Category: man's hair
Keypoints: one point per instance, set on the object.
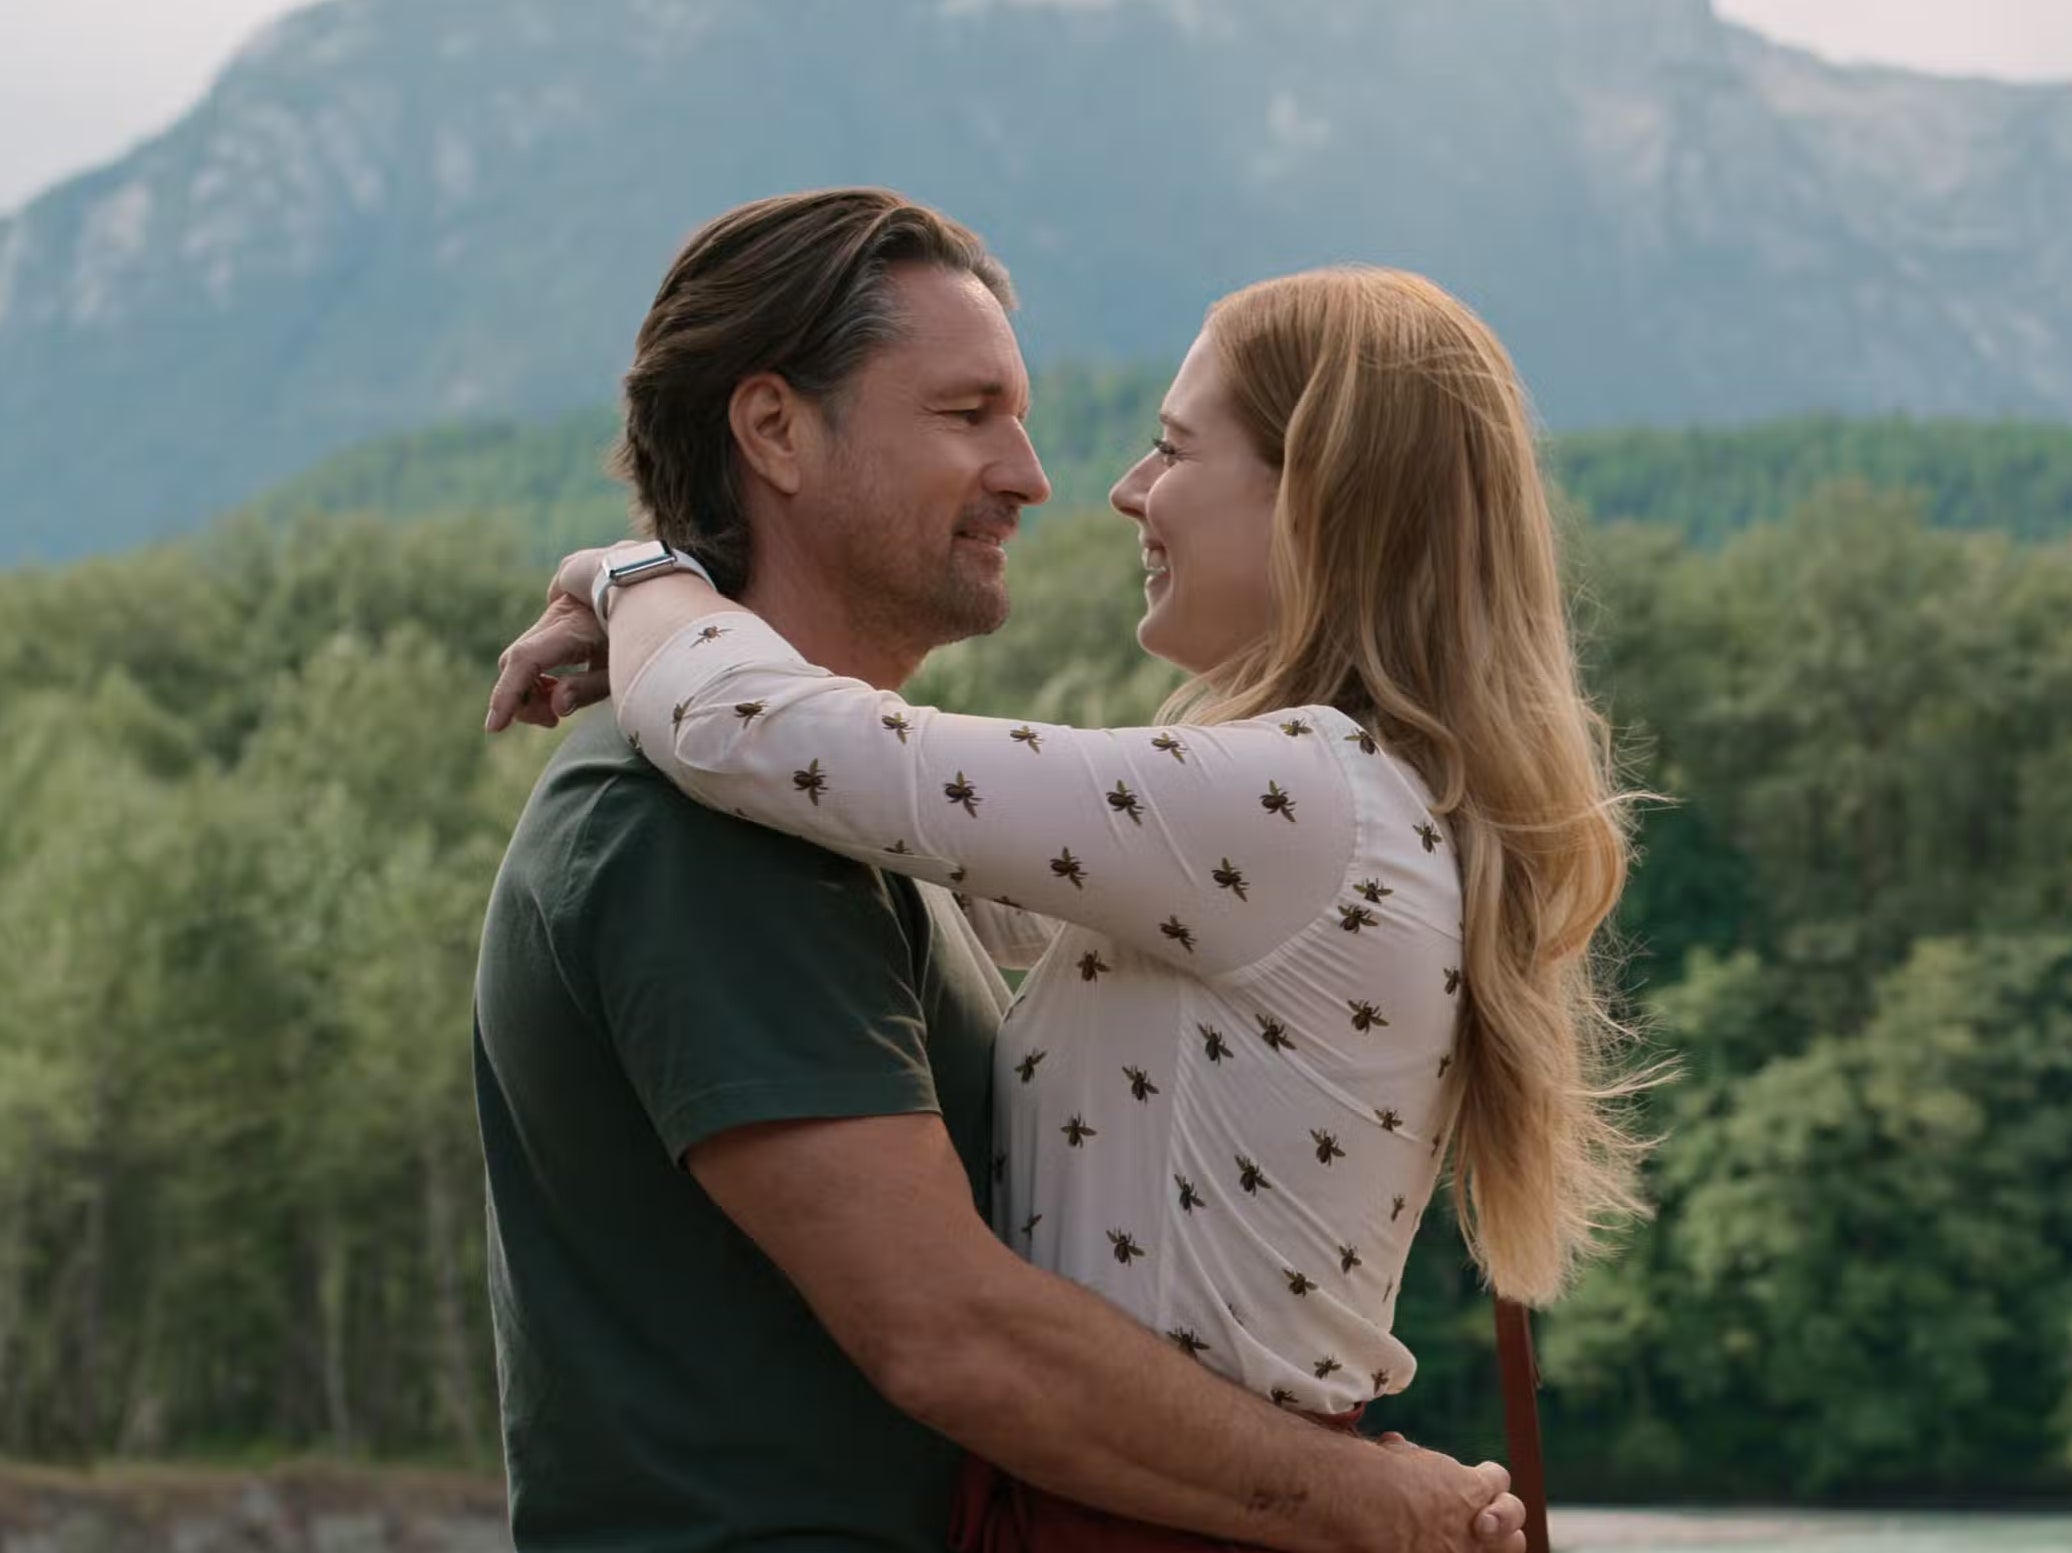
(799, 285)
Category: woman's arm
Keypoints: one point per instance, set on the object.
(1207, 847)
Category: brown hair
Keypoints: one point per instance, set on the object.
(799, 285)
(1417, 588)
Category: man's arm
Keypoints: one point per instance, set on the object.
(1051, 1382)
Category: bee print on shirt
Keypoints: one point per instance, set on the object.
(749, 711)
(1092, 966)
(812, 782)
(1179, 932)
(1373, 890)
(963, 794)
(1396, 1206)
(1077, 1132)
(1212, 1043)
(1026, 1068)
(1171, 746)
(1296, 727)
(1068, 867)
(1445, 1062)
(1327, 1146)
(1326, 1367)
(1123, 801)
(1298, 1285)
(1390, 1119)
(1141, 1087)
(1381, 1382)
(710, 634)
(1365, 740)
(1029, 1224)
(895, 723)
(1190, 1199)
(1188, 1342)
(1250, 1178)
(1028, 736)
(1227, 877)
(1348, 1258)
(1126, 1248)
(1365, 1016)
(1428, 833)
(1353, 918)
(678, 713)
(1452, 980)
(1280, 1396)
(1275, 1034)
(1276, 801)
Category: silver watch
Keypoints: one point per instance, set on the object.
(626, 567)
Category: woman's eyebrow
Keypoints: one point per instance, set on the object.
(1175, 424)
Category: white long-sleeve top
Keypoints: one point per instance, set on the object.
(1219, 1094)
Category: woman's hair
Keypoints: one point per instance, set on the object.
(1416, 588)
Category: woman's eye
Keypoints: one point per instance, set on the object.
(1164, 449)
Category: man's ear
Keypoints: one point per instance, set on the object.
(778, 430)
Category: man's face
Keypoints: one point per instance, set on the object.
(927, 468)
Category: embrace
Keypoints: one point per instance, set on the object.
(804, 1234)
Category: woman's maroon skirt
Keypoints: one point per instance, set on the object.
(995, 1513)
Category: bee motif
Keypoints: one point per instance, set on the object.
(710, 634)
(1077, 1132)
(1126, 1247)
(749, 711)
(1275, 801)
(1228, 878)
(1066, 866)
(1452, 980)
(1373, 889)
(1189, 1343)
(812, 782)
(1365, 740)
(1026, 1068)
(959, 874)
(1390, 1120)
(1251, 1178)
(899, 848)
(1029, 736)
(1275, 1034)
(1029, 1224)
(1281, 1396)
(1381, 1382)
(679, 712)
(1445, 1062)
(1178, 932)
(634, 740)
(1353, 918)
(895, 723)
(1365, 1016)
(1212, 1043)
(962, 792)
(1296, 727)
(1171, 746)
(1428, 833)
(1348, 1258)
(1396, 1206)
(1326, 1367)
(1123, 801)
(1092, 966)
(1327, 1146)
(1298, 1285)
(1190, 1199)
(1141, 1087)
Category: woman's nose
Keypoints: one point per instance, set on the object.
(1126, 496)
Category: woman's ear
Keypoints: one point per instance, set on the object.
(776, 429)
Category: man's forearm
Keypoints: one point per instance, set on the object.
(1061, 1389)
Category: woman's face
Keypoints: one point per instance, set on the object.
(1203, 501)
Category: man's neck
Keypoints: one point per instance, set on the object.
(819, 622)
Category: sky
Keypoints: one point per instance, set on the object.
(83, 81)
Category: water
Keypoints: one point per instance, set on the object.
(1581, 1530)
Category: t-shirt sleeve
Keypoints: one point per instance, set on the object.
(1207, 847)
(743, 976)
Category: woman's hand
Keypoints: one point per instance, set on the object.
(537, 679)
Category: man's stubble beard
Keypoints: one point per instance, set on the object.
(898, 595)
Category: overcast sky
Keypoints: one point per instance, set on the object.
(83, 80)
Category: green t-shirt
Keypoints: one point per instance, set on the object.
(654, 973)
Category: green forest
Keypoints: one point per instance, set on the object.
(248, 822)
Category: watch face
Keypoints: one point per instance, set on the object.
(640, 562)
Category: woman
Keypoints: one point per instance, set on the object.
(1331, 913)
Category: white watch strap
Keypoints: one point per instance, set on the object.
(651, 559)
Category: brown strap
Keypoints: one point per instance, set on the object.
(1521, 1383)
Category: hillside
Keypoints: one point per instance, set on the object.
(390, 213)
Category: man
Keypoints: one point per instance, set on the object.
(735, 1091)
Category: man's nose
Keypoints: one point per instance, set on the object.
(1020, 475)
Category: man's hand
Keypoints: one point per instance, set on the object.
(1443, 1506)
(535, 681)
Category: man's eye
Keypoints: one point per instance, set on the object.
(972, 416)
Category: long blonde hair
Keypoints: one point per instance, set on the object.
(1416, 588)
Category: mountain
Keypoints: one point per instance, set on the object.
(393, 212)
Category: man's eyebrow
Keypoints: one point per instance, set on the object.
(983, 388)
